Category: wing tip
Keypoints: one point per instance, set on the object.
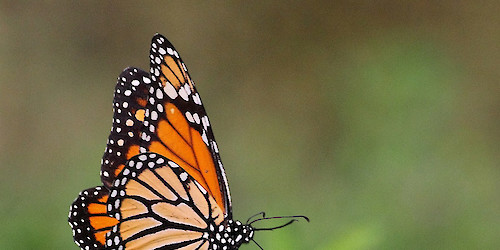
(161, 40)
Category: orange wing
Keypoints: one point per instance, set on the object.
(129, 105)
(89, 220)
(177, 126)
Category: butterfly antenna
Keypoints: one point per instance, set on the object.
(279, 217)
(255, 215)
(257, 244)
(272, 228)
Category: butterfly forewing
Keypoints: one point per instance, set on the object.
(177, 126)
(129, 104)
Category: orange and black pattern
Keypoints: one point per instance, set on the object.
(160, 206)
(164, 182)
(88, 217)
(129, 103)
(176, 123)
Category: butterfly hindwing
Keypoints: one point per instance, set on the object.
(176, 123)
(89, 219)
(129, 103)
(160, 206)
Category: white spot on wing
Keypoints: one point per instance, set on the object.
(154, 115)
(173, 164)
(189, 117)
(196, 98)
(183, 176)
(170, 90)
(183, 94)
(188, 89)
(205, 122)
(159, 94)
(204, 137)
(196, 118)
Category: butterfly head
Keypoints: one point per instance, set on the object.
(232, 235)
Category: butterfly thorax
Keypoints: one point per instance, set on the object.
(230, 236)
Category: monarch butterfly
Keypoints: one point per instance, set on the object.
(164, 185)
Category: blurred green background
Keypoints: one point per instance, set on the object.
(377, 119)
